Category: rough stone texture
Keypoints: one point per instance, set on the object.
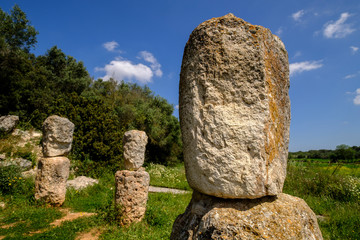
(235, 109)
(81, 182)
(57, 136)
(134, 149)
(271, 217)
(131, 194)
(8, 123)
(50, 182)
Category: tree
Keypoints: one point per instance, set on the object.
(343, 152)
(16, 31)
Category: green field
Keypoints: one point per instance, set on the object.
(332, 191)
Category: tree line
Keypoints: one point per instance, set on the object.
(342, 152)
(35, 87)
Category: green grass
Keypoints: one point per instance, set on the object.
(30, 216)
(171, 177)
(332, 192)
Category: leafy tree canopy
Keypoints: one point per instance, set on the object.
(16, 31)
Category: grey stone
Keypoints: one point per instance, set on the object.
(271, 217)
(131, 194)
(8, 123)
(234, 109)
(134, 149)
(50, 182)
(81, 182)
(57, 136)
(22, 163)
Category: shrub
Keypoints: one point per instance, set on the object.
(10, 180)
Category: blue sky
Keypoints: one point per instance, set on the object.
(143, 42)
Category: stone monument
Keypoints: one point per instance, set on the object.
(235, 117)
(53, 168)
(132, 184)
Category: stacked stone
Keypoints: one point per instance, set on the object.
(53, 167)
(235, 116)
(132, 184)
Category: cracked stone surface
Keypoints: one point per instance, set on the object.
(57, 136)
(235, 109)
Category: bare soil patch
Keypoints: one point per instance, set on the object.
(93, 234)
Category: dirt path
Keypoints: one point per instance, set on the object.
(167, 190)
(69, 216)
(93, 234)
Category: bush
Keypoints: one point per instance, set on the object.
(11, 181)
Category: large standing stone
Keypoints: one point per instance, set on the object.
(235, 109)
(134, 149)
(8, 123)
(131, 194)
(50, 182)
(57, 136)
(272, 217)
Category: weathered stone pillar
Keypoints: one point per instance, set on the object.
(132, 185)
(53, 168)
(235, 116)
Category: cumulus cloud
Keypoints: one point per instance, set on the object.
(155, 65)
(297, 16)
(123, 69)
(111, 46)
(338, 29)
(177, 107)
(357, 97)
(126, 70)
(299, 67)
(354, 49)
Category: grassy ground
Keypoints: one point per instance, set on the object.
(332, 191)
(31, 220)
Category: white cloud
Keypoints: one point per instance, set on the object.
(297, 16)
(299, 67)
(123, 69)
(350, 76)
(279, 31)
(357, 98)
(338, 29)
(110, 46)
(177, 107)
(126, 70)
(155, 65)
(297, 54)
(354, 49)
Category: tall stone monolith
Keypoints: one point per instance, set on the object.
(235, 109)
(235, 117)
(54, 166)
(132, 184)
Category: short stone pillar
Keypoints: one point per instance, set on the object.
(53, 168)
(132, 184)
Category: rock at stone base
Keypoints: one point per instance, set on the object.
(131, 194)
(8, 123)
(234, 109)
(272, 217)
(50, 182)
(81, 182)
(134, 149)
(57, 136)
